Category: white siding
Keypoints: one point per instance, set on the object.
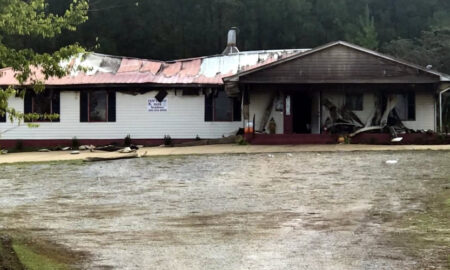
(184, 120)
(425, 113)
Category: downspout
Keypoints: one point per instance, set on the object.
(441, 93)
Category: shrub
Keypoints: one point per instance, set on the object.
(347, 140)
(241, 140)
(127, 140)
(168, 140)
(197, 138)
(75, 143)
(19, 145)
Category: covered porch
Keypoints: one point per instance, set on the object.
(337, 89)
(320, 113)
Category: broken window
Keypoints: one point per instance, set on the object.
(221, 108)
(98, 106)
(406, 106)
(44, 103)
(354, 102)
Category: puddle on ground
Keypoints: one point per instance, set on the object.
(300, 211)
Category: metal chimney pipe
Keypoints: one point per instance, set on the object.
(232, 35)
(231, 42)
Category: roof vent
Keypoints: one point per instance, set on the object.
(231, 44)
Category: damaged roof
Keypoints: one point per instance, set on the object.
(100, 69)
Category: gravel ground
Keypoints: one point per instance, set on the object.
(245, 211)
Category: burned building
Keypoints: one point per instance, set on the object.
(285, 96)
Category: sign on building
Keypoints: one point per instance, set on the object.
(155, 106)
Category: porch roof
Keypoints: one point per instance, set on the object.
(338, 62)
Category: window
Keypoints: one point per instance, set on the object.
(406, 106)
(354, 102)
(43, 103)
(2, 116)
(221, 108)
(98, 106)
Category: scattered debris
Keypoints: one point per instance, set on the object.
(44, 150)
(65, 148)
(383, 119)
(127, 150)
(397, 139)
(109, 148)
(3, 152)
(134, 147)
(75, 152)
(391, 162)
(97, 159)
(87, 147)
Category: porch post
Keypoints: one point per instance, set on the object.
(320, 112)
(441, 125)
(246, 111)
(288, 125)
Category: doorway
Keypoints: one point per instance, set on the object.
(302, 113)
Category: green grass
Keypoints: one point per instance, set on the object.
(426, 235)
(35, 261)
(22, 251)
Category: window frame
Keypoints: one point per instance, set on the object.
(234, 117)
(111, 105)
(411, 106)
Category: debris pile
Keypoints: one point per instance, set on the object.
(384, 118)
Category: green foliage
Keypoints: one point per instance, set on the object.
(431, 48)
(241, 141)
(347, 140)
(31, 19)
(172, 29)
(35, 261)
(367, 35)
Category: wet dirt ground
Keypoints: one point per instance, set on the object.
(257, 211)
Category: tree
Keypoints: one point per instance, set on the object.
(32, 19)
(431, 48)
(366, 36)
